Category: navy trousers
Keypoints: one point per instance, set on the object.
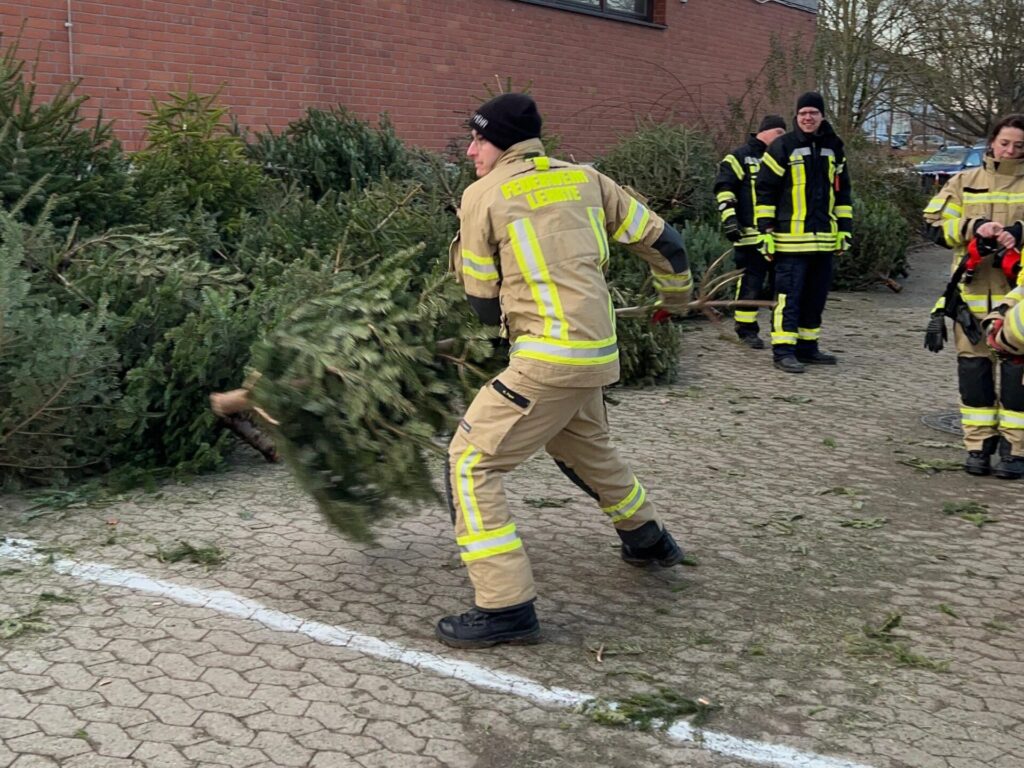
(802, 282)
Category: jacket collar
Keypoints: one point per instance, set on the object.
(825, 135)
(521, 151)
(756, 144)
(1004, 167)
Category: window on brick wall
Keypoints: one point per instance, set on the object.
(634, 10)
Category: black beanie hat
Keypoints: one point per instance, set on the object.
(811, 99)
(507, 119)
(772, 121)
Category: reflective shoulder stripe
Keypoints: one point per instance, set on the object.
(736, 167)
(799, 152)
(773, 164)
(632, 229)
(826, 152)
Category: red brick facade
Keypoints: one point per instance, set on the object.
(423, 61)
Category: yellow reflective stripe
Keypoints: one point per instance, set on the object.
(772, 163)
(542, 163)
(675, 283)
(844, 211)
(725, 196)
(628, 507)
(745, 315)
(466, 488)
(478, 267)
(1011, 419)
(727, 212)
(979, 417)
(934, 205)
(736, 167)
(632, 229)
(981, 302)
(535, 272)
(489, 543)
(954, 208)
(1011, 198)
(596, 352)
(780, 336)
(808, 334)
(596, 216)
(799, 188)
(753, 240)
(951, 231)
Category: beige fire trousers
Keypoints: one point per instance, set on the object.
(509, 420)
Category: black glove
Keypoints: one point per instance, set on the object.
(731, 229)
(969, 323)
(935, 335)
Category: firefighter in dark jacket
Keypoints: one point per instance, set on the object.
(734, 191)
(805, 216)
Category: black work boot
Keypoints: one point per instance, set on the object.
(650, 544)
(752, 340)
(979, 462)
(1009, 468)
(816, 357)
(484, 627)
(789, 364)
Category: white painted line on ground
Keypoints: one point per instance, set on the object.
(230, 604)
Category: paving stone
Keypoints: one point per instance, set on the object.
(55, 720)
(282, 749)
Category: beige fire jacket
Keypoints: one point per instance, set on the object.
(535, 234)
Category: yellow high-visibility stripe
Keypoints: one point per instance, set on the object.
(1011, 419)
(979, 417)
(725, 196)
(628, 507)
(1013, 325)
(745, 315)
(736, 167)
(773, 164)
(489, 543)
(632, 229)
(596, 352)
(479, 267)
(596, 216)
(779, 336)
(535, 272)
(844, 211)
(1010, 198)
(675, 283)
(798, 194)
(466, 488)
(808, 334)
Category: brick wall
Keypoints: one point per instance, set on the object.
(423, 61)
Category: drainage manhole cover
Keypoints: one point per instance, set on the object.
(945, 421)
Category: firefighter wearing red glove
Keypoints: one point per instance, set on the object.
(978, 205)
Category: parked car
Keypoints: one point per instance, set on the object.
(936, 170)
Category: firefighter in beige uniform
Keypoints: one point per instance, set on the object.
(531, 253)
(986, 203)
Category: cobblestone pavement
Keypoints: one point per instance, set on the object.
(790, 491)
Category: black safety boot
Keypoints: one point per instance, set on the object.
(1009, 468)
(752, 340)
(979, 462)
(789, 364)
(817, 357)
(482, 628)
(649, 544)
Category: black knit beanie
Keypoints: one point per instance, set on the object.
(772, 121)
(507, 119)
(811, 99)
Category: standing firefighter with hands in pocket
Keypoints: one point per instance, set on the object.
(532, 251)
(804, 213)
(979, 213)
